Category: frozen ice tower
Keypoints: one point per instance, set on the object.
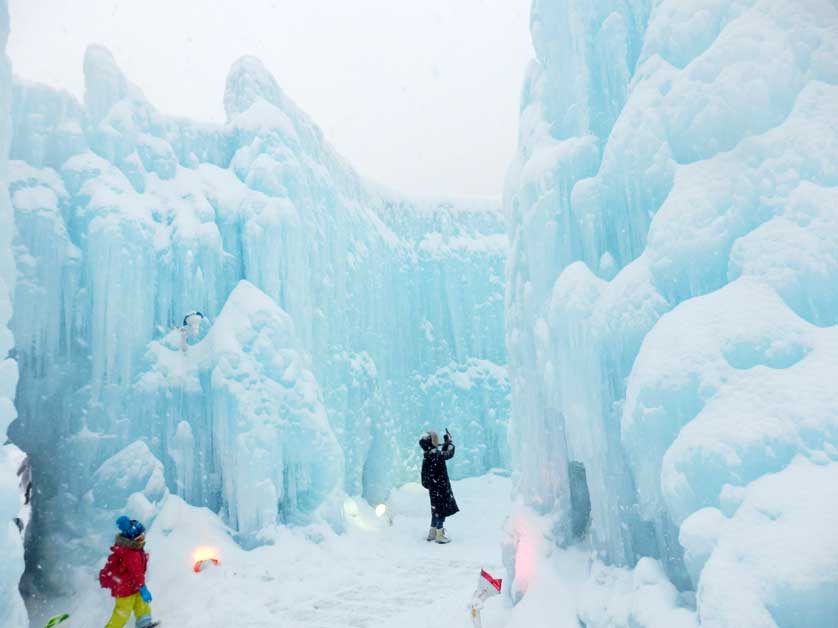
(672, 295)
(341, 319)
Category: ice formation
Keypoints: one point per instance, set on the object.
(12, 612)
(671, 312)
(247, 388)
(342, 320)
(672, 293)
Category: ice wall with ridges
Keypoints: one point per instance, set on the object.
(672, 275)
(129, 219)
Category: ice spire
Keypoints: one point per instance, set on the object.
(104, 83)
(248, 81)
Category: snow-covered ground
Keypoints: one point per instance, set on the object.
(377, 575)
(372, 576)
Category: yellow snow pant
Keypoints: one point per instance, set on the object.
(122, 611)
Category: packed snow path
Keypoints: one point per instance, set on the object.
(373, 576)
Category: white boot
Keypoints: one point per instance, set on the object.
(431, 535)
(440, 536)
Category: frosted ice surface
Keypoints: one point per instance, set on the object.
(132, 470)
(672, 286)
(249, 383)
(773, 562)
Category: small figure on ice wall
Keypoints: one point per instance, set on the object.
(435, 479)
(191, 327)
(124, 576)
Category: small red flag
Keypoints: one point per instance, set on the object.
(495, 582)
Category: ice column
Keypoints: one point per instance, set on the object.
(563, 392)
(12, 611)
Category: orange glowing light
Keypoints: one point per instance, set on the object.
(203, 557)
(204, 552)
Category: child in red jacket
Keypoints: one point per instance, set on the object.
(124, 575)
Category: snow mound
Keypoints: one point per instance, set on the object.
(771, 553)
(270, 440)
(377, 574)
(132, 470)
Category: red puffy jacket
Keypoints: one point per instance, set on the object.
(124, 573)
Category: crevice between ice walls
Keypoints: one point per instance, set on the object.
(12, 610)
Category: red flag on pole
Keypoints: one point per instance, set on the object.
(495, 582)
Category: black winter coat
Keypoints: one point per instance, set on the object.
(435, 478)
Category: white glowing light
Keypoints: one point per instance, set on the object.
(380, 510)
(350, 508)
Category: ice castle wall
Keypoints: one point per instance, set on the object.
(12, 612)
(671, 285)
(387, 320)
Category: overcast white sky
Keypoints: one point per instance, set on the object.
(420, 95)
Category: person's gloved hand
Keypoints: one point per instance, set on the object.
(145, 594)
(447, 436)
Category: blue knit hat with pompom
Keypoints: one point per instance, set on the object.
(130, 528)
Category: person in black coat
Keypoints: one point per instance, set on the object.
(435, 479)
